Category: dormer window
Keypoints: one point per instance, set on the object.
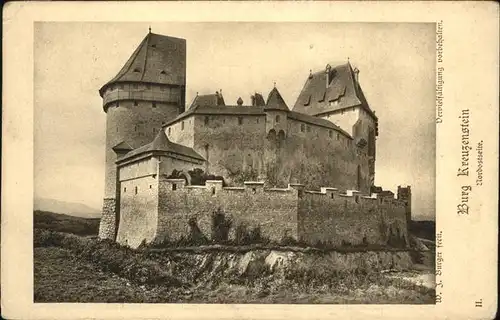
(322, 98)
(334, 103)
(308, 101)
(163, 72)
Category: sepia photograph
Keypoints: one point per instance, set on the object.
(234, 162)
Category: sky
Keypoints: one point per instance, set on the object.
(397, 74)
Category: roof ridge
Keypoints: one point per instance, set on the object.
(145, 56)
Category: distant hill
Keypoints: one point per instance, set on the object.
(423, 229)
(69, 208)
(65, 223)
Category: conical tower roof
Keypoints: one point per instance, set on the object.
(275, 101)
(158, 59)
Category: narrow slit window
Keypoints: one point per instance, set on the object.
(277, 119)
(302, 127)
(182, 125)
(136, 103)
(136, 189)
(240, 120)
(153, 104)
(124, 189)
(174, 186)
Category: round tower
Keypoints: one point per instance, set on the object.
(148, 91)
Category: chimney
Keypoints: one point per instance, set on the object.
(356, 74)
(328, 71)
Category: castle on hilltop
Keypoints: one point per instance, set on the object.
(172, 172)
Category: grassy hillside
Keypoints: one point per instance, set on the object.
(69, 268)
(65, 223)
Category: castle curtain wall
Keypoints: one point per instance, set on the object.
(273, 212)
(351, 220)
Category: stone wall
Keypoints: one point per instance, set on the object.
(107, 225)
(233, 149)
(351, 219)
(319, 156)
(272, 211)
(138, 211)
(240, 148)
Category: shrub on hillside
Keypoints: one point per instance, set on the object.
(109, 256)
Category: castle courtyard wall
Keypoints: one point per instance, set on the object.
(232, 145)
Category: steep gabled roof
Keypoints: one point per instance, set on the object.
(275, 101)
(162, 144)
(153, 62)
(219, 110)
(315, 97)
(215, 99)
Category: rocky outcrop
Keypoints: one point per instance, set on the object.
(261, 263)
